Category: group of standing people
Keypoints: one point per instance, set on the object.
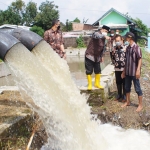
(125, 55)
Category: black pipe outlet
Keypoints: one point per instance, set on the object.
(28, 38)
(7, 41)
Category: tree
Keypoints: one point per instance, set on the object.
(48, 12)
(68, 26)
(144, 29)
(1, 17)
(142, 26)
(37, 30)
(18, 8)
(30, 13)
(76, 20)
(85, 21)
(9, 17)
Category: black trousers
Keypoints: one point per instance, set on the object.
(119, 80)
(91, 65)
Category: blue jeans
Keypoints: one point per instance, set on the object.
(136, 82)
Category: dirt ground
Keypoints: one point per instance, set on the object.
(112, 112)
(12, 108)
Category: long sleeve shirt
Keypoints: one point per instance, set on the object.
(95, 48)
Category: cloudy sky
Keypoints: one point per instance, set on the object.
(94, 9)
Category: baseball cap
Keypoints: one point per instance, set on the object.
(130, 35)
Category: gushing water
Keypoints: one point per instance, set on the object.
(44, 77)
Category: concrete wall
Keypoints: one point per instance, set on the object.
(71, 41)
(77, 26)
(115, 18)
(80, 26)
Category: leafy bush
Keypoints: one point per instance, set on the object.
(80, 42)
(37, 30)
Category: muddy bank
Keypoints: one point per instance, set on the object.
(17, 122)
(110, 111)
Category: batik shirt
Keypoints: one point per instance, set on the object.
(119, 58)
(55, 40)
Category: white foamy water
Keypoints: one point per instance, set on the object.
(64, 112)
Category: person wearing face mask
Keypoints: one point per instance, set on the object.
(132, 70)
(94, 55)
(119, 63)
(111, 44)
(117, 32)
(54, 37)
(126, 43)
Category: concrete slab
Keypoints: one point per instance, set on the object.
(8, 88)
(107, 78)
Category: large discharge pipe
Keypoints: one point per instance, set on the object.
(7, 41)
(28, 38)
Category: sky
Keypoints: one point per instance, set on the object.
(94, 9)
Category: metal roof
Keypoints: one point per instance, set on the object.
(13, 26)
(112, 9)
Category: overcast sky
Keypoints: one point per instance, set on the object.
(94, 9)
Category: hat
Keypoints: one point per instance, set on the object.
(106, 28)
(130, 35)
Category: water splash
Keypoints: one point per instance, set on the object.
(45, 78)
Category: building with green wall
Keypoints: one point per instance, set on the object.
(116, 20)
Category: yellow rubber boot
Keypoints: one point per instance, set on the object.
(97, 81)
(89, 77)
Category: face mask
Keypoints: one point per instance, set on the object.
(117, 32)
(118, 43)
(58, 27)
(104, 33)
(126, 43)
(112, 34)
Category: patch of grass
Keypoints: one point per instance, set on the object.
(145, 55)
(103, 107)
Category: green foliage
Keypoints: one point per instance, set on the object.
(80, 42)
(144, 29)
(48, 12)
(76, 20)
(18, 8)
(37, 30)
(145, 54)
(142, 26)
(67, 26)
(31, 12)
(20, 14)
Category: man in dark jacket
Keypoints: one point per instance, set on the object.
(94, 55)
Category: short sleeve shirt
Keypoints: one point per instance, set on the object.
(133, 54)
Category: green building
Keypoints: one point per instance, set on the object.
(117, 21)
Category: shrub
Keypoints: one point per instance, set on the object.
(80, 42)
(37, 30)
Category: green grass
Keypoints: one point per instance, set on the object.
(145, 54)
